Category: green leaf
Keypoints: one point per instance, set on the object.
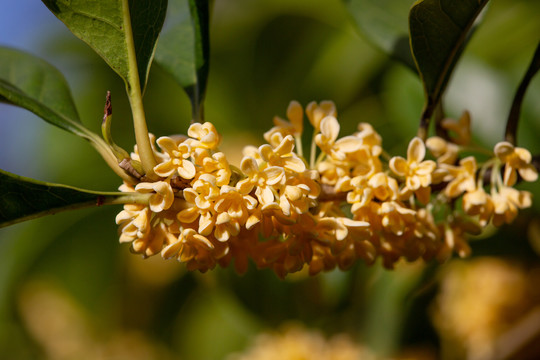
(105, 25)
(147, 19)
(33, 84)
(37, 80)
(384, 23)
(23, 198)
(439, 30)
(184, 50)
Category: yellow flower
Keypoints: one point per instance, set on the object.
(152, 243)
(330, 172)
(233, 210)
(192, 248)
(204, 136)
(478, 202)
(370, 138)
(506, 203)
(215, 164)
(262, 181)
(462, 128)
(395, 217)
(363, 163)
(454, 238)
(316, 113)
(200, 198)
(162, 197)
(283, 155)
(445, 152)
(282, 128)
(479, 302)
(517, 160)
(326, 140)
(176, 159)
(269, 218)
(359, 193)
(134, 222)
(330, 228)
(417, 173)
(384, 187)
(463, 177)
(299, 194)
(296, 342)
(203, 192)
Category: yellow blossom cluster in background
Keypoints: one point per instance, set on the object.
(347, 201)
(296, 342)
(486, 308)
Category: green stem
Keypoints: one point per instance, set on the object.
(133, 88)
(299, 149)
(312, 151)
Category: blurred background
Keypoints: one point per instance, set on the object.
(68, 290)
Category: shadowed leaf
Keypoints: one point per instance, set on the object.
(23, 198)
(439, 30)
(184, 49)
(105, 26)
(384, 23)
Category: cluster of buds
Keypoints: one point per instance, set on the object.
(349, 202)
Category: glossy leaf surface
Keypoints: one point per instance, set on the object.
(105, 25)
(33, 84)
(439, 30)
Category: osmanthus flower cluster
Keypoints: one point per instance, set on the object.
(348, 202)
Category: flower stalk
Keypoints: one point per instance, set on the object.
(510, 133)
(133, 88)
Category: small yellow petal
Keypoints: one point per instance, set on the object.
(528, 173)
(503, 149)
(330, 129)
(416, 150)
(399, 165)
(187, 170)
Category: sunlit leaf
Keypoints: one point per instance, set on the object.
(384, 23)
(439, 30)
(37, 79)
(184, 49)
(105, 25)
(23, 198)
(33, 84)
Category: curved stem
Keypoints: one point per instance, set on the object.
(510, 134)
(312, 151)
